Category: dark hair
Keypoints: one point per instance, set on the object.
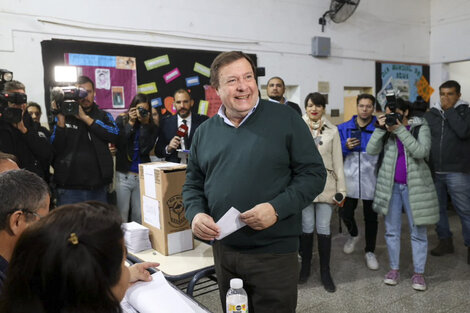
(365, 96)
(34, 104)
(277, 77)
(226, 58)
(448, 84)
(139, 98)
(317, 98)
(419, 107)
(20, 190)
(402, 105)
(182, 90)
(85, 79)
(13, 85)
(67, 262)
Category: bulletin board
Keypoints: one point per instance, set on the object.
(409, 79)
(160, 72)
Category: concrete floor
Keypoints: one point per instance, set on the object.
(362, 290)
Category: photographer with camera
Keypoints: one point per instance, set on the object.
(177, 131)
(83, 165)
(404, 181)
(19, 134)
(137, 136)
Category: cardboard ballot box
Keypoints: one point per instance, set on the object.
(161, 185)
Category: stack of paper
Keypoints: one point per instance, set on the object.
(136, 237)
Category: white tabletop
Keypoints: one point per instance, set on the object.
(181, 263)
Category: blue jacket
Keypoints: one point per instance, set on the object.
(359, 167)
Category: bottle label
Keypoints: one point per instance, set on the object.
(237, 308)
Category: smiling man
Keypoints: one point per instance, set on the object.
(259, 158)
(168, 141)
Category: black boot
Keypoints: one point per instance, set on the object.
(306, 247)
(445, 246)
(324, 251)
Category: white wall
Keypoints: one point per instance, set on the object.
(278, 31)
(450, 26)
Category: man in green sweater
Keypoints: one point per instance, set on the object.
(258, 157)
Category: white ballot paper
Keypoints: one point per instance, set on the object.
(229, 223)
(155, 296)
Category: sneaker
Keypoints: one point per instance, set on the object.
(392, 278)
(350, 244)
(371, 261)
(418, 283)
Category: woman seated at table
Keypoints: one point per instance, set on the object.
(71, 261)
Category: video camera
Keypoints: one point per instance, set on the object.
(10, 114)
(67, 99)
(392, 118)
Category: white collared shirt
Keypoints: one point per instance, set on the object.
(285, 100)
(227, 121)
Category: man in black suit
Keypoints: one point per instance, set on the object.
(169, 142)
(276, 89)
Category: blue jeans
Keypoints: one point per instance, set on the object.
(458, 186)
(322, 211)
(70, 196)
(128, 196)
(419, 238)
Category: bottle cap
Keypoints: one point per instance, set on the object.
(236, 283)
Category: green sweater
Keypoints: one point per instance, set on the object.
(271, 158)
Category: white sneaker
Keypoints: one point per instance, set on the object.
(371, 261)
(350, 244)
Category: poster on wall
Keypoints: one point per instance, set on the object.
(404, 79)
(115, 79)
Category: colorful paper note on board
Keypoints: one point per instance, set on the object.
(157, 102)
(203, 107)
(168, 103)
(157, 62)
(214, 100)
(148, 88)
(201, 69)
(192, 81)
(424, 89)
(171, 75)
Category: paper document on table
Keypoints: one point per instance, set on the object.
(229, 223)
(156, 296)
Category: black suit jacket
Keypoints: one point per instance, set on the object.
(168, 129)
(295, 106)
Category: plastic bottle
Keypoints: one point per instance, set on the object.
(237, 299)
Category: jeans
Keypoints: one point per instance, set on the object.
(419, 237)
(323, 213)
(269, 279)
(128, 196)
(370, 221)
(458, 186)
(69, 196)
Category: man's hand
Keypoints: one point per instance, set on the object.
(174, 144)
(204, 227)
(20, 126)
(83, 116)
(60, 116)
(352, 143)
(260, 217)
(139, 271)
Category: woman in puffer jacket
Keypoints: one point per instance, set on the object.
(318, 214)
(404, 181)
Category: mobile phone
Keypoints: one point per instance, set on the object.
(356, 134)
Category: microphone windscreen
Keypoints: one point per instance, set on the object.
(182, 130)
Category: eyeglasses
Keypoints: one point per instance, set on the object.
(26, 211)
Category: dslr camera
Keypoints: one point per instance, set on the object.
(392, 118)
(9, 114)
(67, 98)
(143, 112)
